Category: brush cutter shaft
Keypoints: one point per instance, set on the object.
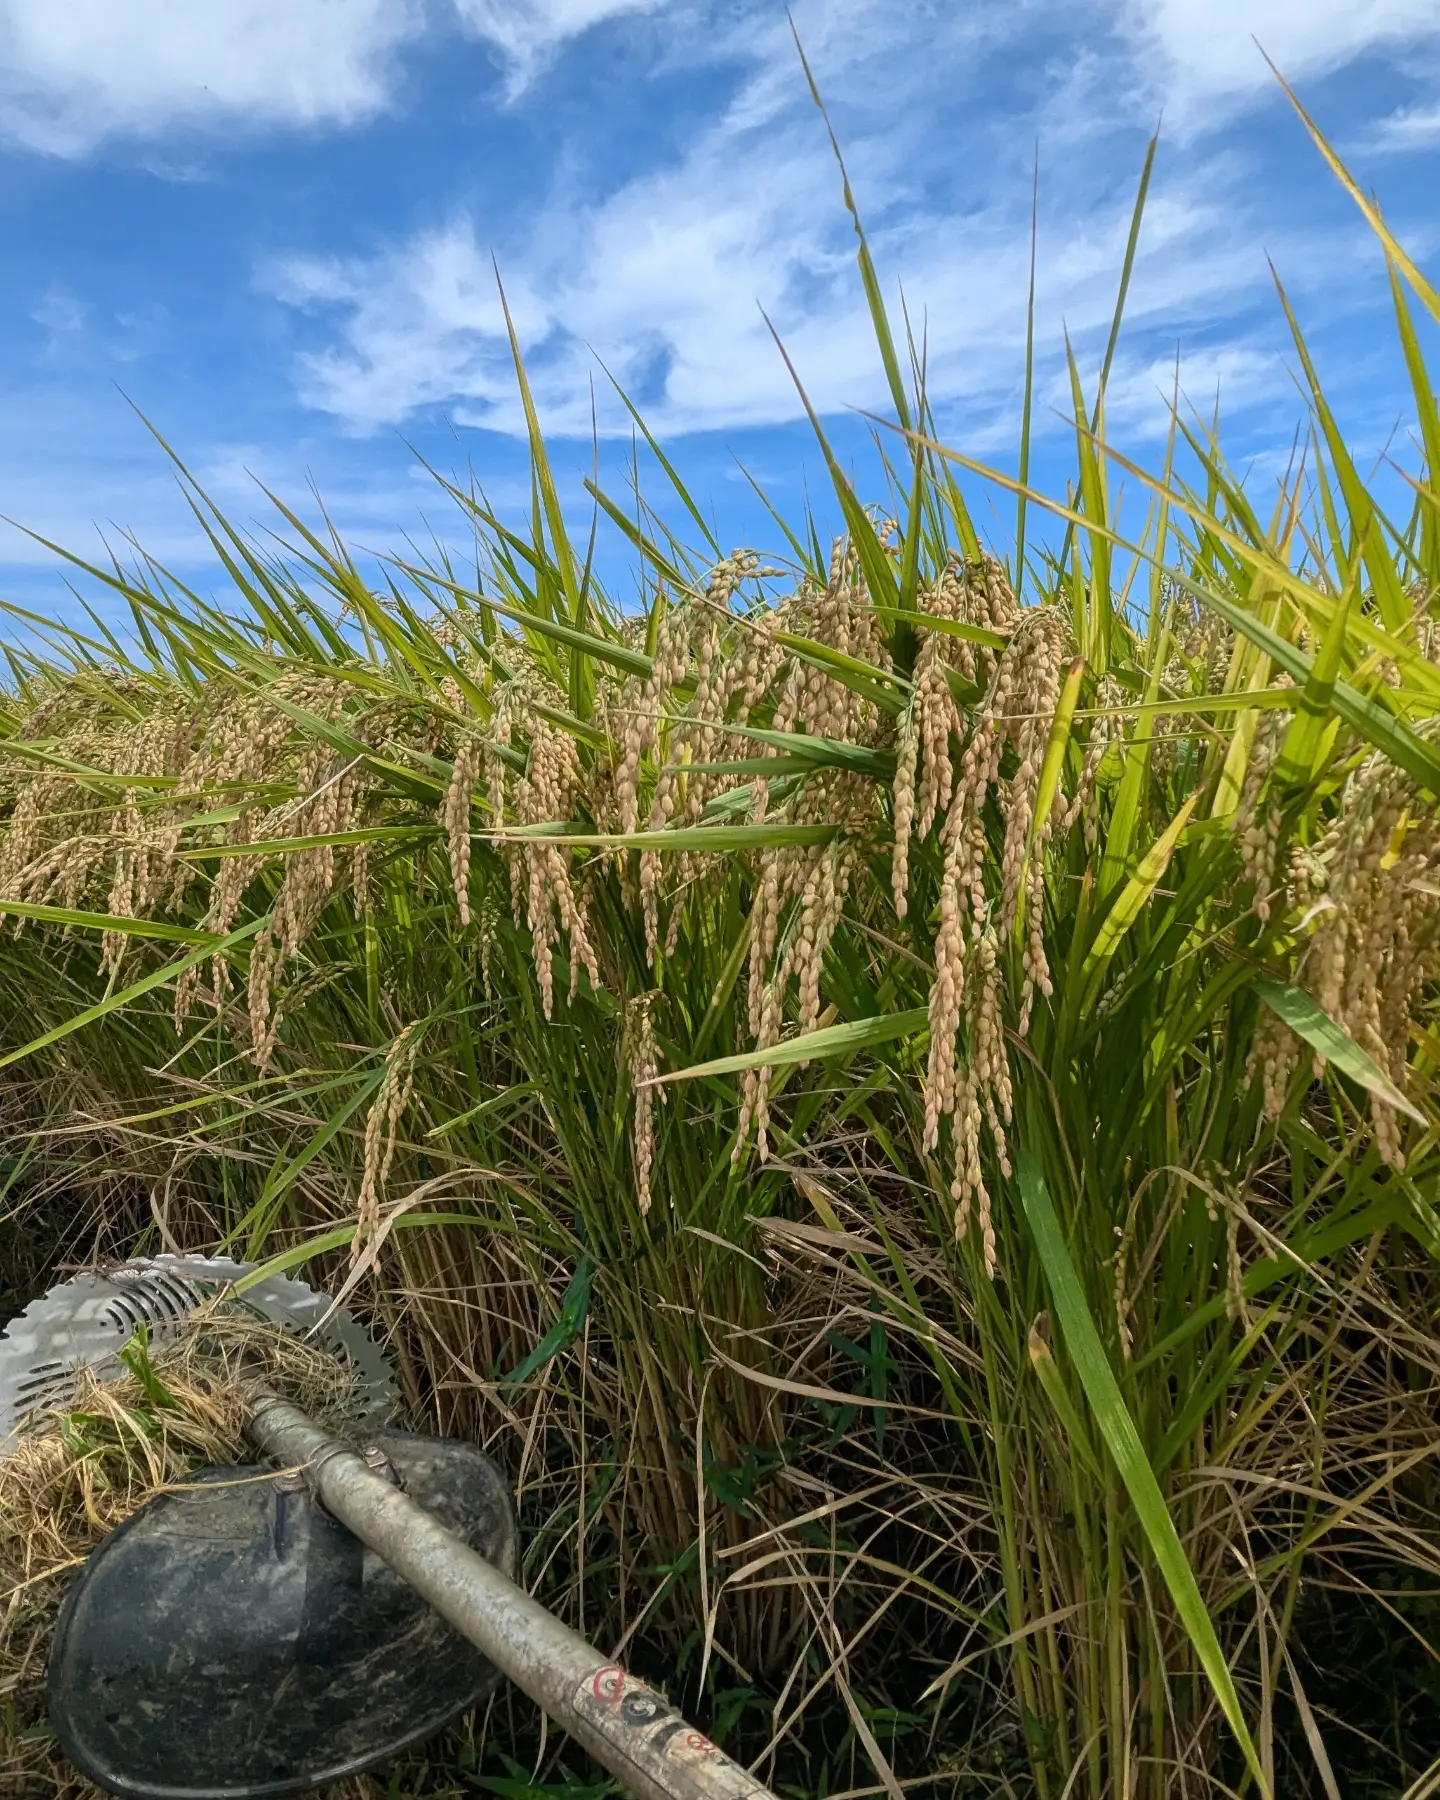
(627, 1726)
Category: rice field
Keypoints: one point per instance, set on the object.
(893, 1088)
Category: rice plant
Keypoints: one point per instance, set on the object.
(895, 1088)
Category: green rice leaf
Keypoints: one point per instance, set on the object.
(565, 1330)
(1365, 522)
(864, 678)
(1315, 716)
(810, 1046)
(671, 473)
(821, 753)
(647, 547)
(1307, 1019)
(1127, 816)
(1428, 416)
(281, 1179)
(1042, 1361)
(959, 628)
(880, 576)
(1428, 294)
(147, 985)
(619, 656)
(684, 837)
(136, 1357)
(362, 834)
(299, 1254)
(510, 1096)
(1266, 699)
(1310, 1247)
(1373, 721)
(85, 775)
(914, 532)
(1117, 1428)
(879, 319)
(1127, 268)
(1092, 597)
(88, 921)
(1401, 744)
(1055, 748)
(581, 675)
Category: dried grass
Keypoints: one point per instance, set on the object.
(84, 1468)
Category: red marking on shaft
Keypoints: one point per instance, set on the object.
(608, 1685)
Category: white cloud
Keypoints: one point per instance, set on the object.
(414, 335)
(59, 313)
(1409, 128)
(665, 280)
(1209, 51)
(664, 275)
(73, 72)
(525, 31)
(76, 72)
(1140, 395)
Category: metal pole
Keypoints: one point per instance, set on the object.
(632, 1730)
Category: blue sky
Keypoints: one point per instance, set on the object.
(271, 223)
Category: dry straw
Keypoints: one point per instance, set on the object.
(83, 1468)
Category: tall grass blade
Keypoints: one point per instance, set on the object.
(1029, 395)
(1116, 1426)
(1132, 243)
(869, 281)
(1428, 295)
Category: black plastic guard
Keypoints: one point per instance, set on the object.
(232, 1640)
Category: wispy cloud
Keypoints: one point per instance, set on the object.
(665, 277)
(1141, 393)
(1409, 128)
(722, 201)
(1202, 57)
(73, 75)
(526, 32)
(60, 314)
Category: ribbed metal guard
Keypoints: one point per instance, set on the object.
(85, 1322)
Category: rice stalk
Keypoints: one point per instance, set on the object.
(773, 1350)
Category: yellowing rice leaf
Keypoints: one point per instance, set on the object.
(1132, 897)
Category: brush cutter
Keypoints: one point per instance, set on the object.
(274, 1626)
